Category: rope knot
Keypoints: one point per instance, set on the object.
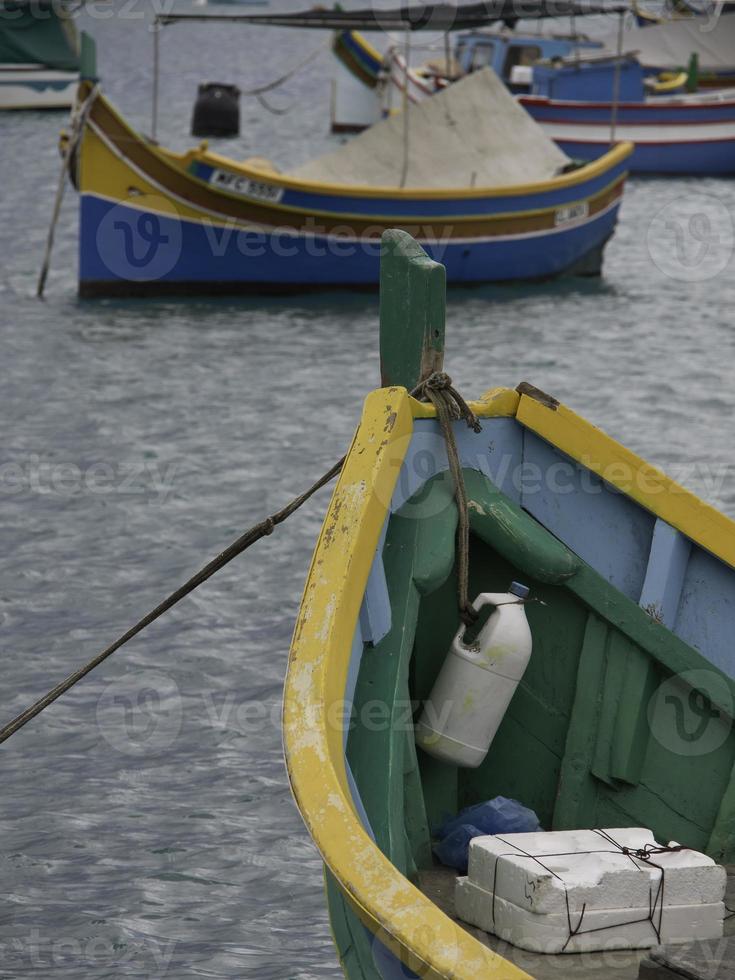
(469, 615)
(438, 381)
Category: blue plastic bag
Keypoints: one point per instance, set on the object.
(498, 816)
(454, 849)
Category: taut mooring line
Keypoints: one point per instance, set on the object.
(449, 405)
(236, 548)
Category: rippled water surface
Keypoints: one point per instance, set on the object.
(147, 828)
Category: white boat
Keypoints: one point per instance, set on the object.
(39, 56)
(36, 87)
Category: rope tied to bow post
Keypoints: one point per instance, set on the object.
(451, 407)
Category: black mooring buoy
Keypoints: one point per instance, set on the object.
(216, 110)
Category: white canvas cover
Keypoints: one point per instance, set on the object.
(671, 45)
(473, 134)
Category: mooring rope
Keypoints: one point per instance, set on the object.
(236, 548)
(449, 406)
(282, 79)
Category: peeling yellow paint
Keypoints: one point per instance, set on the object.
(391, 907)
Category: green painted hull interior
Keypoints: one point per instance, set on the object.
(586, 742)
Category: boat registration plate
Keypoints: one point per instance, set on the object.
(571, 212)
(245, 186)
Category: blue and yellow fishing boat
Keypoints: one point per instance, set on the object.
(489, 194)
(624, 715)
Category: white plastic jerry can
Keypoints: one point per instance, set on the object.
(476, 682)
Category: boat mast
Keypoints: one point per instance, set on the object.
(406, 55)
(154, 103)
(616, 79)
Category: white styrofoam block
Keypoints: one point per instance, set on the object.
(590, 871)
(600, 929)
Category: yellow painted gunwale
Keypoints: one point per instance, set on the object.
(388, 219)
(392, 908)
(590, 170)
(114, 180)
(366, 46)
(182, 162)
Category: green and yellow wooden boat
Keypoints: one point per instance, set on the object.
(624, 715)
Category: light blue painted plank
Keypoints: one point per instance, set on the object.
(351, 683)
(349, 699)
(601, 525)
(375, 616)
(425, 457)
(357, 800)
(667, 565)
(707, 609)
(496, 452)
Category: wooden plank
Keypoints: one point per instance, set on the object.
(418, 554)
(577, 794)
(641, 481)
(412, 309)
(667, 565)
(612, 690)
(375, 617)
(623, 730)
(632, 730)
(603, 527)
(721, 845)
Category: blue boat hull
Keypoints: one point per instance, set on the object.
(156, 222)
(705, 159)
(128, 251)
(695, 137)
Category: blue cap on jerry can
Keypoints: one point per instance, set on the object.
(520, 590)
